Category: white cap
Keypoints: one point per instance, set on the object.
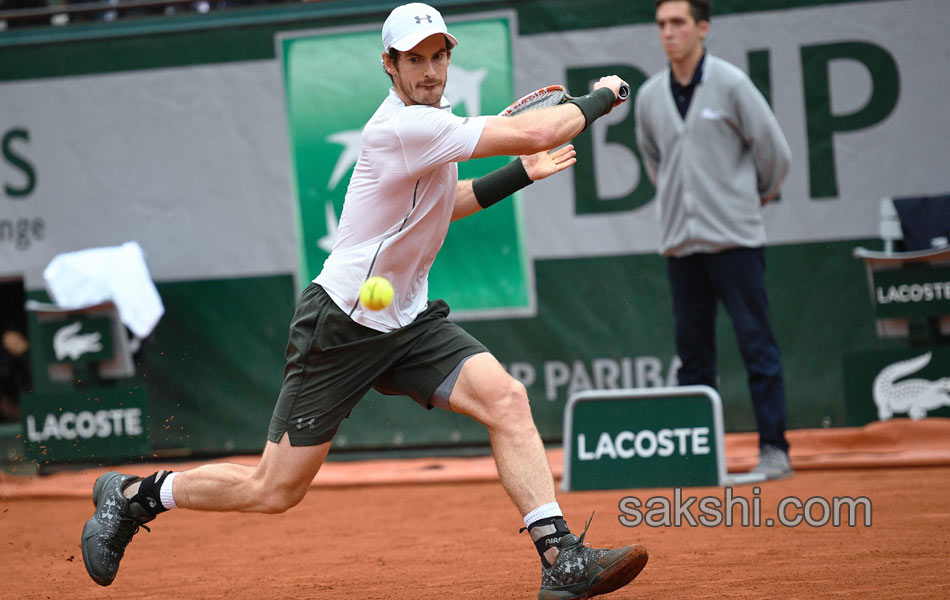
(409, 24)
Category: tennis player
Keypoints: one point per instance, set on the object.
(403, 194)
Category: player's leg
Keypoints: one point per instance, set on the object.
(442, 365)
(569, 569)
(278, 482)
(126, 502)
(331, 363)
(431, 350)
(485, 392)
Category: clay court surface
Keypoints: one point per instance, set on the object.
(459, 539)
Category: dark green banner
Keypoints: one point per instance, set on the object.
(913, 291)
(897, 383)
(105, 424)
(245, 120)
(640, 441)
(212, 368)
(77, 339)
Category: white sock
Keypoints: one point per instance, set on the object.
(551, 509)
(165, 494)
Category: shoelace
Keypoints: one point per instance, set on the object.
(127, 527)
(576, 548)
(580, 540)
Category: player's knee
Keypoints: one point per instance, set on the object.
(510, 408)
(275, 499)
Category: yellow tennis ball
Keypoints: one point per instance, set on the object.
(376, 293)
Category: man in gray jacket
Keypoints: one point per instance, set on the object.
(716, 154)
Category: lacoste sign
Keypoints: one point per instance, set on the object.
(83, 425)
(643, 437)
(104, 423)
(917, 292)
(69, 343)
(681, 441)
(74, 338)
(913, 396)
(911, 292)
(912, 382)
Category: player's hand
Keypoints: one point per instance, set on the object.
(613, 82)
(543, 164)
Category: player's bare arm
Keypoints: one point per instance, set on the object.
(531, 134)
(537, 166)
(538, 130)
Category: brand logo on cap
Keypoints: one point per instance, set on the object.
(409, 24)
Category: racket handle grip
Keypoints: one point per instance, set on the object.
(623, 93)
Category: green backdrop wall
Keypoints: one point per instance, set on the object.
(176, 132)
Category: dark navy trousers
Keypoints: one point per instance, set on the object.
(736, 277)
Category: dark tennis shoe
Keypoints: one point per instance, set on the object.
(109, 531)
(583, 572)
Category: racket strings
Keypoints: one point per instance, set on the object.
(540, 99)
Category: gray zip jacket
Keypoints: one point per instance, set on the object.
(715, 169)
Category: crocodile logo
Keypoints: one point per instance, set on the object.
(68, 342)
(912, 396)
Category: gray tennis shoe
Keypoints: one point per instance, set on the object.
(109, 531)
(584, 572)
(773, 463)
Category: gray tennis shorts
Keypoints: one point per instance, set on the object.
(333, 361)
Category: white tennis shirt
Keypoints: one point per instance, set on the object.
(398, 208)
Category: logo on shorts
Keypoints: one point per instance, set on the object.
(311, 424)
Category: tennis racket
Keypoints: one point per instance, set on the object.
(551, 96)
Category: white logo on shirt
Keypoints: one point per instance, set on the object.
(711, 114)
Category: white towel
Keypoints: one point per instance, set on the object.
(90, 277)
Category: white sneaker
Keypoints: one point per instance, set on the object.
(773, 463)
